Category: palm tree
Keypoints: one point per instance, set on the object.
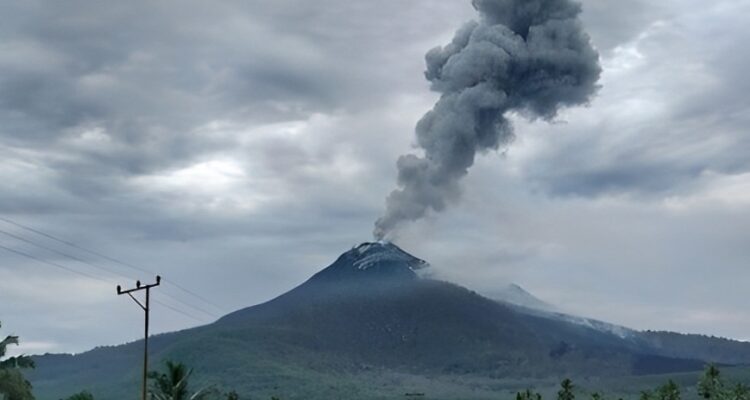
(13, 386)
(13, 362)
(173, 385)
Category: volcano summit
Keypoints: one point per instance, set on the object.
(369, 325)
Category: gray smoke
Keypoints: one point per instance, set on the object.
(526, 56)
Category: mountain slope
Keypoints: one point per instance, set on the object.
(516, 295)
(367, 318)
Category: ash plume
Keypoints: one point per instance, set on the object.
(526, 56)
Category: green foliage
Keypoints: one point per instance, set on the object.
(81, 396)
(173, 384)
(566, 390)
(13, 386)
(233, 395)
(711, 385)
(528, 395)
(13, 362)
(740, 392)
(668, 391)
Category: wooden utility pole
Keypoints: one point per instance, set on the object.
(145, 308)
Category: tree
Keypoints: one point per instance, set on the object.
(596, 396)
(740, 392)
(669, 391)
(173, 385)
(711, 385)
(566, 390)
(13, 386)
(233, 395)
(81, 396)
(528, 395)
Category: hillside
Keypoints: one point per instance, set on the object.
(369, 325)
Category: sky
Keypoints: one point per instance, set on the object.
(238, 147)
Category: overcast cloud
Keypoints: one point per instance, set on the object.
(238, 147)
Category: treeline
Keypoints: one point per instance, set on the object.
(173, 383)
(711, 386)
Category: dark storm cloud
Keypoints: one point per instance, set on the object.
(148, 75)
(670, 139)
(531, 57)
(239, 147)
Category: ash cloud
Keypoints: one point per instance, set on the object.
(526, 56)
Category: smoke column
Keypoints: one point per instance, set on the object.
(526, 56)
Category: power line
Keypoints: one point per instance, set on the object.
(111, 259)
(203, 310)
(54, 264)
(196, 295)
(71, 244)
(177, 310)
(72, 257)
(50, 249)
(107, 281)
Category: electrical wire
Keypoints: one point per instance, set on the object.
(50, 249)
(111, 259)
(54, 264)
(107, 281)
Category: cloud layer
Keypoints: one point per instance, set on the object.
(238, 147)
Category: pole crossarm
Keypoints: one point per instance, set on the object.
(136, 301)
(145, 307)
(139, 287)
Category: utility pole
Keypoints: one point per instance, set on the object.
(145, 308)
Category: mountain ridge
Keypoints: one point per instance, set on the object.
(371, 311)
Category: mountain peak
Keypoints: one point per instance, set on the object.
(381, 259)
(372, 254)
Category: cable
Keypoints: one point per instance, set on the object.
(59, 252)
(189, 305)
(54, 264)
(71, 244)
(196, 295)
(25, 240)
(178, 310)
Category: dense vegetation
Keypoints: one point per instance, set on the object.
(173, 384)
(13, 385)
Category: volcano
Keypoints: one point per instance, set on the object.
(369, 325)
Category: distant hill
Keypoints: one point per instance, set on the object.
(368, 325)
